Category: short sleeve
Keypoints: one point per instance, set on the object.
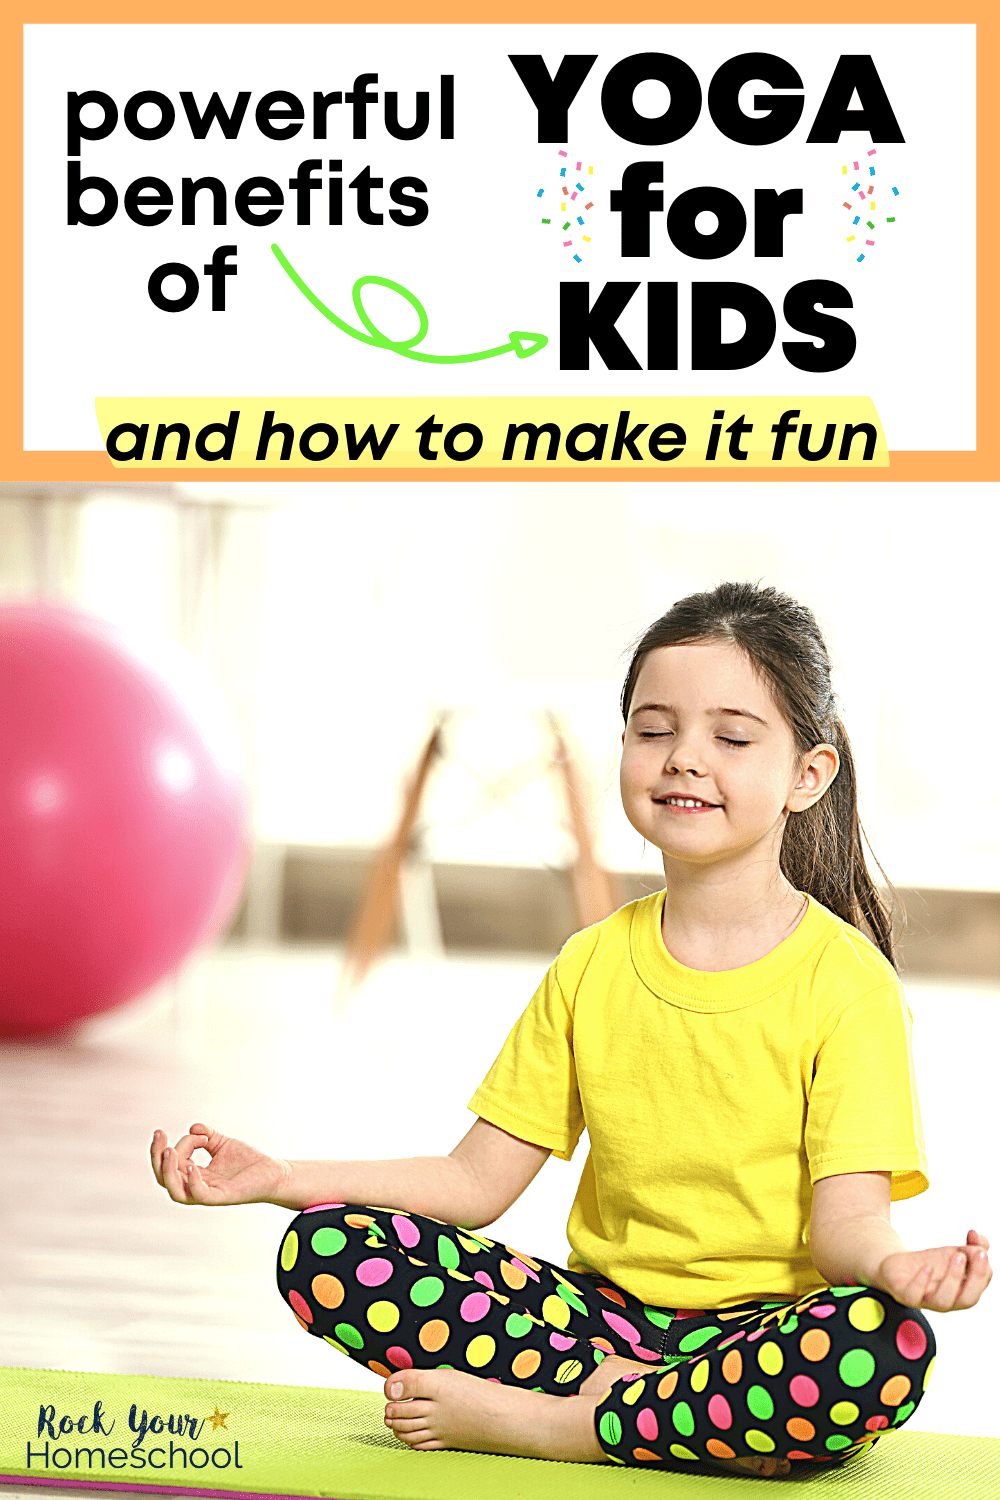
(531, 1089)
(863, 1113)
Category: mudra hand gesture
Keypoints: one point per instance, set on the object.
(946, 1279)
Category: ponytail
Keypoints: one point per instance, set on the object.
(822, 853)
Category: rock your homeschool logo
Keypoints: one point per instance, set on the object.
(143, 1440)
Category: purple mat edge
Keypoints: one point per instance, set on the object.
(153, 1489)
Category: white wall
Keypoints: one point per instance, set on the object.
(338, 619)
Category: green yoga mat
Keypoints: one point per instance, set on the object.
(230, 1438)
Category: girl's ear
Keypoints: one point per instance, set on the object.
(818, 769)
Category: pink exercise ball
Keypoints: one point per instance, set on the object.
(123, 815)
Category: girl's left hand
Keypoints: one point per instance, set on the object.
(944, 1280)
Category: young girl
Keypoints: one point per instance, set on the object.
(740, 1055)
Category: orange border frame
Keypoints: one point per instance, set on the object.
(981, 464)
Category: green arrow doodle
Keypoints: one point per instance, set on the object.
(523, 344)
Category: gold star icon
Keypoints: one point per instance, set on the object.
(218, 1418)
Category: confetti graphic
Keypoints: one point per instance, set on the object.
(565, 199)
(867, 197)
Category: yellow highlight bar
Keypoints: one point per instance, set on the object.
(611, 435)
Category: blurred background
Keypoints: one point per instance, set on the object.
(341, 624)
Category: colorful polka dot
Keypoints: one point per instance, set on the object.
(697, 1338)
(789, 1325)
(732, 1366)
(927, 1372)
(814, 1345)
(800, 1429)
(480, 1350)
(803, 1390)
(876, 1423)
(289, 1250)
(383, 1316)
(375, 1272)
(349, 1335)
(904, 1412)
(474, 1308)
(555, 1310)
(358, 1221)
(720, 1412)
(473, 1246)
(667, 1385)
(760, 1403)
(569, 1295)
(517, 1326)
(317, 1207)
(525, 1364)
(770, 1359)
(679, 1451)
(300, 1306)
(328, 1291)
(398, 1356)
(427, 1291)
(700, 1374)
(866, 1314)
(824, 1310)
(406, 1231)
(570, 1369)
(838, 1441)
(758, 1441)
(515, 1277)
(621, 1326)
(610, 1427)
(857, 1367)
(911, 1341)
(844, 1413)
(718, 1449)
(326, 1336)
(561, 1341)
(895, 1390)
(612, 1295)
(656, 1317)
(447, 1253)
(328, 1241)
(647, 1425)
(733, 1338)
(434, 1335)
(683, 1419)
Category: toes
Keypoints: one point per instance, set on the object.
(408, 1411)
(403, 1425)
(402, 1385)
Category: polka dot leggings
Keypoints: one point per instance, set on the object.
(817, 1380)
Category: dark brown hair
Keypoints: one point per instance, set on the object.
(821, 850)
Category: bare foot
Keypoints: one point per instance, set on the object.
(450, 1409)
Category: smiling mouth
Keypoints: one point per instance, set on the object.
(686, 804)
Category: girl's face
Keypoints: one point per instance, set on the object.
(702, 726)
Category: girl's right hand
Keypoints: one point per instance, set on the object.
(237, 1173)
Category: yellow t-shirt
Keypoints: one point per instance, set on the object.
(713, 1101)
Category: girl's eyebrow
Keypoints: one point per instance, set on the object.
(735, 713)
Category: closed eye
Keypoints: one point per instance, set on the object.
(722, 737)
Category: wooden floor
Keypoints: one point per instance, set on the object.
(100, 1270)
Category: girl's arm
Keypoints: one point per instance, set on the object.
(850, 1234)
(853, 1244)
(487, 1171)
